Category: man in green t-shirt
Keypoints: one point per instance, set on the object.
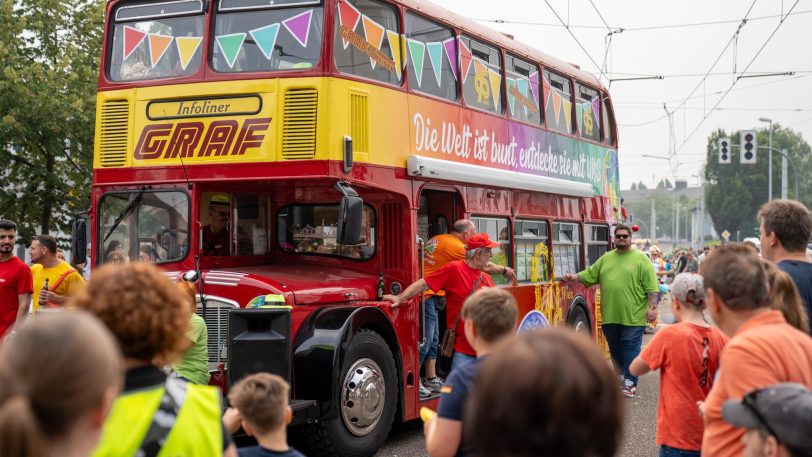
(628, 300)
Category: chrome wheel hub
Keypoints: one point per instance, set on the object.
(362, 397)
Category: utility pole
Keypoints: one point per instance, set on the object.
(784, 175)
(676, 224)
(653, 227)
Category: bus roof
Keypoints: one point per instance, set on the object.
(435, 11)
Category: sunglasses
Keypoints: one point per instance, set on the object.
(749, 401)
(622, 237)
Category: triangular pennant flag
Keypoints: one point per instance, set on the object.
(450, 46)
(348, 16)
(480, 68)
(556, 106)
(534, 85)
(187, 46)
(230, 46)
(265, 38)
(509, 84)
(465, 60)
(373, 32)
(567, 107)
(596, 108)
(521, 83)
(132, 38)
(417, 50)
(158, 44)
(496, 84)
(299, 26)
(579, 113)
(395, 47)
(435, 49)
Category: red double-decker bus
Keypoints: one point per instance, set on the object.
(296, 155)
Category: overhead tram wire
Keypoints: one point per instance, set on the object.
(573, 36)
(639, 29)
(718, 102)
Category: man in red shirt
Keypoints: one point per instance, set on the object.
(459, 279)
(15, 280)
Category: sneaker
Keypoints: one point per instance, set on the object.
(434, 384)
(424, 393)
(629, 391)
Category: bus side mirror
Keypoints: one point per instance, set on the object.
(350, 212)
(79, 241)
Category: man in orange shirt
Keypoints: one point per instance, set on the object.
(763, 349)
(437, 252)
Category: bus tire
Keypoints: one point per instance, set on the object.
(367, 402)
(579, 320)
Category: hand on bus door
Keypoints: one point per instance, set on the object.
(394, 299)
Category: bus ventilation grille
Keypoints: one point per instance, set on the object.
(115, 118)
(299, 124)
(392, 224)
(359, 121)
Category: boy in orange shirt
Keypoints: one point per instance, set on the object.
(687, 355)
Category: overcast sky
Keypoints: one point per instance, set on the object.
(669, 52)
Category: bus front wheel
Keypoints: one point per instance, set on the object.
(579, 321)
(367, 395)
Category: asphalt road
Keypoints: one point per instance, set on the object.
(406, 440)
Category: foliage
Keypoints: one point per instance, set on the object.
(664, 202)
(50, 51)
(664, 184)
(734, 192)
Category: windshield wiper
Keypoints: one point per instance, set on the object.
(131, 205)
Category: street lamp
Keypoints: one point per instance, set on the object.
(770, 159)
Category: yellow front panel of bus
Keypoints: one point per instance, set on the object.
(250, 121)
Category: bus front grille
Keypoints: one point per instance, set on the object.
(216, 318)
(299, 124)
(115, 119)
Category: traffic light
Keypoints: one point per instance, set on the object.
(724, 150)
(748, 146)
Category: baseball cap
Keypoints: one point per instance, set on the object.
(785, 410)
(220, 200)
(480, 240)
(684, 284)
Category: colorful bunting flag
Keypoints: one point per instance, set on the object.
(450, 46)
(567, 112)
(265, 38)
(480, 68)
(230, 46)
(403, 51)
(187, 47)
(395, 47)
(348, 16)
(417, 50)
(596, 108)
(534, 85)
(465, 60)
(373, 32)
(579, 113)
(435, 49)
(496, 84)
(299, 26)
(509, 84)
(158, 44)
(521, 84)
(132, 38)
(556, 106)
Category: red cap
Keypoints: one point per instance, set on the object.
(480, 240)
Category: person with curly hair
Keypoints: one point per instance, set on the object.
(59, 375)
(149, 316)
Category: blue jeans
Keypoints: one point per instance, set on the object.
(668, 451)
(624, 345)
(432, 333)
(459, 359)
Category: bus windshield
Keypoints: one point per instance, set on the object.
(156, 40)
(250, 36)
(151, 226)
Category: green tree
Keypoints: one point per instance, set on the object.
(50, 51)
(641, 186)
(734, 192)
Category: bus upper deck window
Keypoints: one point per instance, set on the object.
(252, 35)
(154, 41)
(482, 75)
(351, 53)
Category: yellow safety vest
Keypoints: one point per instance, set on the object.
(197, 430)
